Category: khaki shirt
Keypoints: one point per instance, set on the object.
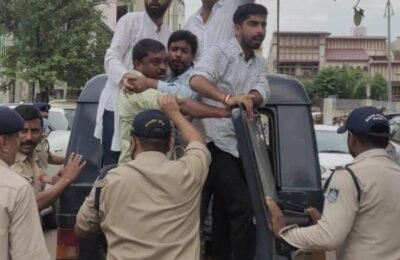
(368, 229)
(149, 207)
(42, 150)
(21, 235)
(30, 169)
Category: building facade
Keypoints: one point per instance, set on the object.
(302, 54)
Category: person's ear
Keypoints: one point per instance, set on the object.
(238, 30)
(3, 144)
(136, 64)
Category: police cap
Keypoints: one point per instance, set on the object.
(10, 121)
(43, 107)
(368, 121)
(152, 124)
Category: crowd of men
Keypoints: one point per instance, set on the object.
(169, 90)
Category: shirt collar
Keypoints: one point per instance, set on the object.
(152, 24)
(239, 50)
(22, 157)
(183, 74)
(377, 152)
(217, 5)
(151, 155)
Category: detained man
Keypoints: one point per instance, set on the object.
(150, 59)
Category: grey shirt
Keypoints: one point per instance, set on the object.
(224, 65)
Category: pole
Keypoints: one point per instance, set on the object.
(389, 50)
(277, 36)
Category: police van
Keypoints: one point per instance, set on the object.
(278, 150)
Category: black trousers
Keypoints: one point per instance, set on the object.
(233, 228)
(109, 156)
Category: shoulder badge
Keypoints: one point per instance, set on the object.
(332, 195)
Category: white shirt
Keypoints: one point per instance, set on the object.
(225, 67)
(131, 28)
(219, 26)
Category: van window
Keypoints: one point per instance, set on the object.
(58, 121)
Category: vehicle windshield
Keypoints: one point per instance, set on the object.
(58, 121)
(328, 141)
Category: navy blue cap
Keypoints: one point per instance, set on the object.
(366, 121)
(43, 107)
(10, 121)
(152, 123)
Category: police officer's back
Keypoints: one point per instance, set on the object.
(149, 208)
(362, 207)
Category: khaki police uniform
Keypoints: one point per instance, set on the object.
(42, 150)
(149, 207)
(29, 168)
(361, 230)
(21, 236)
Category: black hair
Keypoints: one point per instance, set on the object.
(244, 11)
(144, 47)
(152, 144)
(374, 141)
(29, 112)
(187, 36)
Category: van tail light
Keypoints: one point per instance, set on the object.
(67, 244)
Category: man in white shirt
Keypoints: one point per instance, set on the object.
(231, 73)
(131, 28)
(212, 23)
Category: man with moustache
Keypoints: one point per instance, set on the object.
(182, 49)
(27, 163)
(150, 60)
(131, 28)
(212, 23)
(231, 73)
(21, 235)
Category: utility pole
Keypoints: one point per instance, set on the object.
(388, 13)
(277, 35)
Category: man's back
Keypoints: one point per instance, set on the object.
(375, 231)
(150, 206)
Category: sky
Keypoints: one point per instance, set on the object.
(331, 16)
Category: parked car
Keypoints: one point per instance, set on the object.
(332, 149)
(66, 107)
(278, 161)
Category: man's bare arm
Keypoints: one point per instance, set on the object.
(196, 109)
(70, 173)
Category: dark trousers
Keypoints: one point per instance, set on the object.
(233, 229)
(109, 157)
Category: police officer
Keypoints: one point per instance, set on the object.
(149, 208)
(362, 207)
(21, 235)
(28, 163)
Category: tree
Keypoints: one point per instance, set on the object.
(53, 41)
(345, 82)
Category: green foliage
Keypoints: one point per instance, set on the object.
(53, 41)
(345, 82)
(379, 87)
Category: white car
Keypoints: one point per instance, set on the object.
(332, 149)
